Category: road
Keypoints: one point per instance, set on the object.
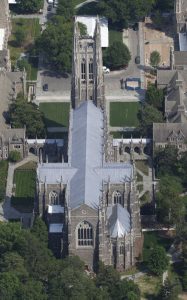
(112, 80)
(85, 2)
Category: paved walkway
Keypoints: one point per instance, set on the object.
(6, 210)
(85, 2)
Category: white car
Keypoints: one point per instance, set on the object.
(106, 70)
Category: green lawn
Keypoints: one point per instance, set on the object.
(25, 185)
(32, 29)
(114, 36)
(143, 165)
(124, 114)
(3, 177)
(56, 114)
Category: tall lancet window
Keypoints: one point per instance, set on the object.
(83, 70)
(91, 70)
(84, 234)
(117, 198)
(53, 198)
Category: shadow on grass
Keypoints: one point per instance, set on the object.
(23, 204)
(52, 123)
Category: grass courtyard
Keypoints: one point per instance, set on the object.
(114, 36)
(25, 185)
(31, 28)
(56, 114)
(124, 114)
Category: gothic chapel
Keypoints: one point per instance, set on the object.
(90, 202)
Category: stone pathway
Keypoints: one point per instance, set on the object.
(147, 182)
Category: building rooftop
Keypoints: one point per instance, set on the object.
(118, 221)
(55, 228)
(86, 170)
(162, 131)
(90, 22)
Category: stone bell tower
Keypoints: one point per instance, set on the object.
(87, 73)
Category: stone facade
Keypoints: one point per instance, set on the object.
(12, 139)
(170, 134)
(90, 202)
(181, 15)
(5, 27)
(87, 73)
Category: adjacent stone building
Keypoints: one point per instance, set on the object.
(12, 139)
(5, 26)
(170, 134)
(90, 202)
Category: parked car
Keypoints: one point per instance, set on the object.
(106, 70)
(45, 87)
(50, 7)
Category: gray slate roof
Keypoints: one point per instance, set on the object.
(86, 170)
(118, 221)
(180, 58)
(161, 131)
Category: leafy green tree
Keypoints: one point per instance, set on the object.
(56, 44)
(157, 261)
(32, 290)
(170, 207)
(13, 262)
(154, 96)
(14, 156)
(29, 6)
(9, 285)
(82, 28)
(165, 161)
(65, 8)
(39, 230)
(148, 115)
(108, 279)
(121, 12)
(117, 55)
(23, 113)
(155, 59)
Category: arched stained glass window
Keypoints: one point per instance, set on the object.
(117, 198)
(84, 234)
(53, 198)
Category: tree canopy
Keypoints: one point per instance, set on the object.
(117, 55)
(155, 59)
(154, 96)
(29, 271)
(56, 44)
(170, 207)
(23, 113)
(121, 12)
(29, 6)
(65, 8)
(148, 115)
(157, 261)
